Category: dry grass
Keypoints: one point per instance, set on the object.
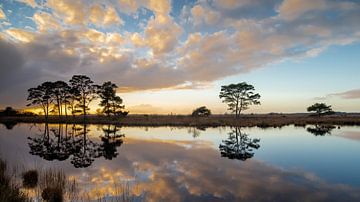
(9, 190)
(265, 120)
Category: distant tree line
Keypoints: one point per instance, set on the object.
(75, 97)
(9, 111)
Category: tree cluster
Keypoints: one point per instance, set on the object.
(75, 97)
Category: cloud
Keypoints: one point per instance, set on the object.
(229, 38)
(129, 6)
(46, 22)
(21, 35)
(104, 16)
(292, 9)
(201, 14)
(72, 12)
(2, 14)
(31, 3)
(145, 109)
(351, 94)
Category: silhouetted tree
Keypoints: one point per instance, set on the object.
(320, 109)
(238, 145)
(86, 91)
(111, 140)
(41, 96)
(60, 93)
(239, 96)
(71, 100)
(111, 103)
(201, 111)
(320, 130)
(9, 111)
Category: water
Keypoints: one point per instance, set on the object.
(194, 164)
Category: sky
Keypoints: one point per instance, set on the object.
(171, 56)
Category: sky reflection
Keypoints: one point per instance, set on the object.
(171, 164)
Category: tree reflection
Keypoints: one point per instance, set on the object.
(52, 145)
(86, 150)
(238, 145)
(110, 141)
(320, 130)
(196, 131)
(9, 124)
(61, 144)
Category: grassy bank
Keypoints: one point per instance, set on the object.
(260, 120)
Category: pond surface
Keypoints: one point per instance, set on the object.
(314, 163)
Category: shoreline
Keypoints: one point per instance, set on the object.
(247, 120)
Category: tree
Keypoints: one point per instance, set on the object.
(111, 103)
(320, 109)
(239, 96)
(41, 96)
(9, 111)
(60, 93)
(86, 90)
(201, 111)
(71, 99)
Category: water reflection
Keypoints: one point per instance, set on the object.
(110, 141)
(61, 143)
(196, 131)
(9, 124)
(238, 145)
(168, 164)
(320, 130)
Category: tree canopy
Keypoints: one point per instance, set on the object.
(239, 97)
(320, 109)
(111, 103)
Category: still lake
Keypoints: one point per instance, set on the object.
(291, 163)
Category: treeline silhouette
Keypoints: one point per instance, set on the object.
(75, 97)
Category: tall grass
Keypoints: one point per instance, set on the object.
(9, 191)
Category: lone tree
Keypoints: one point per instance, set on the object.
(111, 103)
(86, 90)
(201, 111)
(320, 109)
(239, 97)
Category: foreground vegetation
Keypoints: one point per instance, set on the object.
(260, 120)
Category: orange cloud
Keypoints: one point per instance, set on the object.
(2, 14)
(21, 35)
(104, 16)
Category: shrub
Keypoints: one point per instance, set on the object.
(52, 194)
(201, 111)
(30, 179)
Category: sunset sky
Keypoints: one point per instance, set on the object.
(173, 56)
